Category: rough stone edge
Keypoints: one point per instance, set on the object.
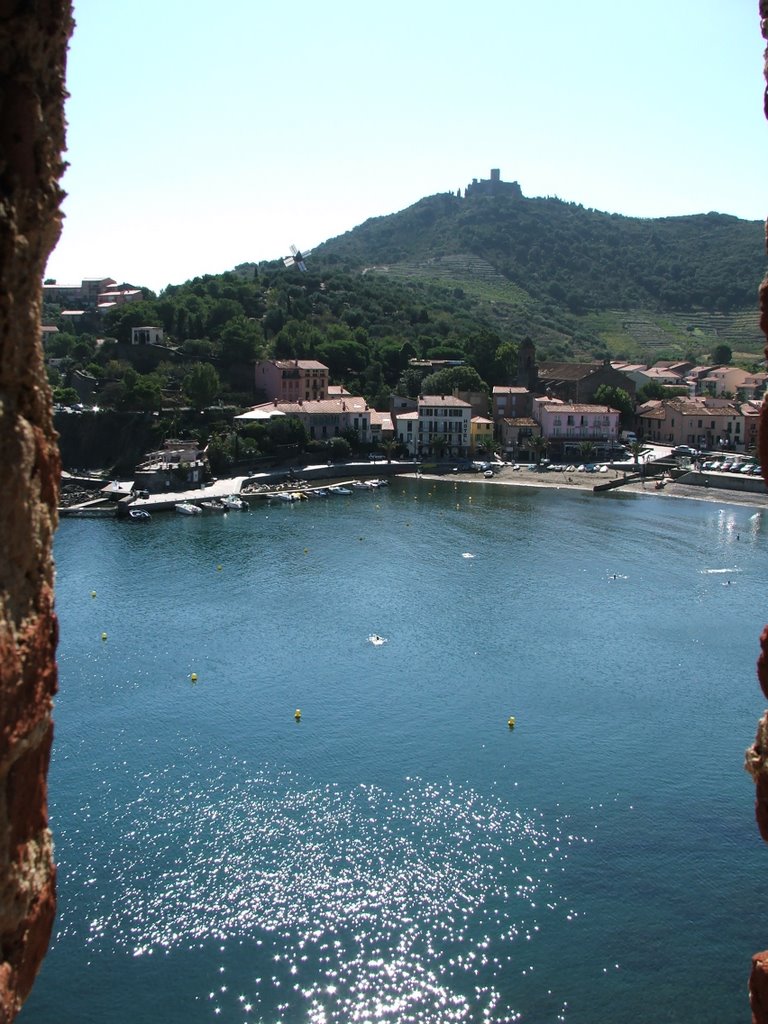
(756, 761)
(33, 48)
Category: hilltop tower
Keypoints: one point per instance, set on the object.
(494, 186)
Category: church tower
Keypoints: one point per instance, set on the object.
(527, 371)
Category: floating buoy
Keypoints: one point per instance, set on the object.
(103, 636)
(306, 551)
(218, 568)
(511, 722)
(297, 714)
(93, 593)
(193, 677)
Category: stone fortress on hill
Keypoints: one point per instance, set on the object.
(493, 186)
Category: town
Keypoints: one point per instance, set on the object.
(544, 413)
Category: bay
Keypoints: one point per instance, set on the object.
(400, 853)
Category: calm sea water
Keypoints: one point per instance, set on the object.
(400, 854)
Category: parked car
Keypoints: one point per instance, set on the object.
(684, 449)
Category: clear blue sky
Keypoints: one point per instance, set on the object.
(202, 135)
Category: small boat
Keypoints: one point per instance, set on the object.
(186, 508)
(235, 502)
(320, 492)
(139, 515)
(339, 490)
(213, 506)
(285, 496)
(359, 485)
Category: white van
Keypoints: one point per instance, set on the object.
(629, 436)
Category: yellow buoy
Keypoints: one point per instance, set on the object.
(93, 593)
(306, 551)
(218, 568)
(103, 636)
(193, 677)
(511, 722)
(297, 714)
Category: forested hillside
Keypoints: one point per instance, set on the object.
(450, 277)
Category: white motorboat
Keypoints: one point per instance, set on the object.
(139, 515)
(186, 508)
(213, 506)
(234, 501)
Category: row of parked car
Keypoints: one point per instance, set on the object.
(732, 466)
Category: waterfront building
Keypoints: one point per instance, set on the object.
(480, 433)
(567, 425)
(440, 425)
(700, 422)
(510, 403)
(323, 418)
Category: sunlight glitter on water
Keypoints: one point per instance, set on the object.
(357, 904)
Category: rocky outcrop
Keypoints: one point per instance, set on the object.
(33, 43)
(757, 755)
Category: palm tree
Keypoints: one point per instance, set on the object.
(587, 451)
(438, 443)
(539, 445)
(636, 449)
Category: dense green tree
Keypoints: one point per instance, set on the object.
(616, 398)
(202, 385)
(146, 394)
(481, 351)
(442, 382)
(409, 382)
(722, 355)
(241, 340)
(653, 390)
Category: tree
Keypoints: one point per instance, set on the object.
(636, 449)
(539, 445)
(443, 382)
(147, 394)
(241, 340)
(481, 352)
(654, 390)
(587, 450)
(616, 398)
(202, 385)
(722, 355)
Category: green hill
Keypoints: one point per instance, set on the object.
(634, 284)
(448, 278)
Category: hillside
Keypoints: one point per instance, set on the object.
(448, 278)
(634, 284)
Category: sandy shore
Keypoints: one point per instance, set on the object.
(507, 477)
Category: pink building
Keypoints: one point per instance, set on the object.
(566, 425)
(292, 380)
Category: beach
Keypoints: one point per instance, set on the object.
(584, 481)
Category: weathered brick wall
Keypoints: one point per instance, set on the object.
(33, 43)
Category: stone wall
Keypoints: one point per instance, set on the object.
(757, 754)
(33, 44)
